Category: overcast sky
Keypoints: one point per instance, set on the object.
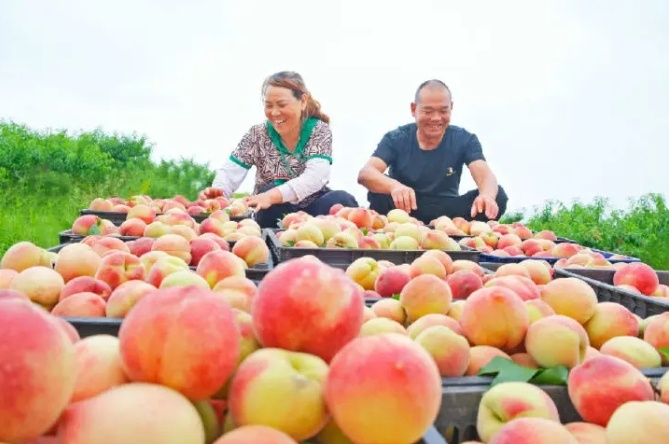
(569, 98)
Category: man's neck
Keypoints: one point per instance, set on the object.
(429, 143)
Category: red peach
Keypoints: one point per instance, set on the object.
(201, 246)
(557, 340)
(533, 431)
(140, 246)
(174, 245)
(391, 281)
(463, 283)
(118, 267)
(524, 287)
(425, 294)
(132, 227)
(80, 305)
(571, 297)
(76, 260)
(610, 320)
(220, 264)
(639, 275)
(251, 249)
(448, 349)
(85, 284)
(86, 224)
(464, 264)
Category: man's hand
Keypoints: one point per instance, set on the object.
(404, 198)
(485, 203)
(210, 193)
(260, 201)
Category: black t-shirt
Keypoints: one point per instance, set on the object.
(434, 173)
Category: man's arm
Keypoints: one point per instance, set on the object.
(372, 177)
(485, 179)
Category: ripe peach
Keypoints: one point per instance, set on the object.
(639, 275)
(247, 340)
(84, 225)
(306, 305)
(201, 246)
(184, 278)
(98, 366)
(142, 212)
(118, 267)
(255, 433)
(505, 314)
(125, 296)
(430, 320)
(425, 294)
(121, 414)
(220, 264)
(565, 250)
(533, 431)
(100, 204)
(524, 287)
(398, 404)
(391, 309)
(252, 249)
(537, 309)
(76, 260)
(636, 351)
(377, 326)
(448, 349)
(507, 401)
(284, 374)
(174, 245)
(38, 371)
(601, 384)
(464, 264)
(657, 332)
(164, 341)
(463, 283)
(6, 277)
(662, 291)
(571, 297)
(638, 422)
(364, 271)
(556, 340)
(85, 284)
(525, 360)
(540, 271)
(610, 320)
(133, 227)
(41, 284)
(427, 265)
(586, 433)
(482, 355)
(81, 305)
(391, 281)
(13, 294)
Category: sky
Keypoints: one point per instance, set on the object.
(569, 99)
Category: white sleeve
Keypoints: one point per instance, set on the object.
(229, 177)
(315, 176)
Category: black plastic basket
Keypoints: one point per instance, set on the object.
(117, 218)
(343, 256)
(485, 257)
(66, 236)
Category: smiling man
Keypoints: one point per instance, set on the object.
(425, 161)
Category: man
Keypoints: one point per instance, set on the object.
(426, 159)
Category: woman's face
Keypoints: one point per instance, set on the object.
(283, 110)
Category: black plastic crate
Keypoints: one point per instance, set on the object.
(343, 256)
(485, 257)
(601, 280)
(117, 218)
(66, 236)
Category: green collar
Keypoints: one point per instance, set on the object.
(305, 134)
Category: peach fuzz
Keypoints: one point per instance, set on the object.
(121, 414)
(507, 318)
(220, 264)
(81, 305)
(657, 332)
(41, 284)
(164, 341)
(425, 294)
(76, 260)
(399, 403)
(524, 287)
(37, 378)
(639, 275)
(586, 433)
(482, 355)
(280, 374)
(638, 422)
(537, 309)
(378, 326)
(430, 320)
(98, 366)
(557, 340)
(118, 267)
(463, 283)
(571, 297)
(391, 281)
(391, 309)
(610, 320)
(125, 296)
(601, 384)
(533, 431)
(252, 249)
(448, 349)
(163, 267)
(305, 305)
(636, 351)
(507, 401)
(255, 433)
(85, 284)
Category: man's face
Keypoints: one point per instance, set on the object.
(432, 112)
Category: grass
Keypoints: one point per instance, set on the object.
(47, 177)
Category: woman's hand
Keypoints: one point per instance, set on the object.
(210, 193)
(260, 201)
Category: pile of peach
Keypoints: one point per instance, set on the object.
(235, 207)
(104, 276)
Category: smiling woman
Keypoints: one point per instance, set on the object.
(292, 153)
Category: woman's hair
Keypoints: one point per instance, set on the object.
(294, 82)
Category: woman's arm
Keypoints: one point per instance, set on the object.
(229, 177)
(315, 176)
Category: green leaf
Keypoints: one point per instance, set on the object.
(95, 229)
(664, 351)
(396, 296)
(291, 243)
(364, 231)
(506, 371)
(551, 376)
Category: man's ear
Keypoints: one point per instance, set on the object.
(413, 109)
(452, 104)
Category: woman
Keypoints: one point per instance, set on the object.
(292, 152)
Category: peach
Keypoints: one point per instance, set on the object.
(565, 250)
(252, 249)
(533, 431)
(377, 326)
(663, 388)
(636, 351)
(404, 243)
(537, 309)
(601, 384)
(557, 340)
(639, 275)
(6, 277)
(438, 240)
(201, 246)
(133, 227)
(509, 240)
(361, 217)
(242, 284)
(505, 314)
(174, 245)
(586, 433)
(163, 267)
(571, 297)
(122, 414)
(545, 234)
(13, 294)
(140, 246)
(540, 271)
(425, 294)
(184, 278)
(219, 240)
(86, 224)
(443, 257)
(398, 215)
(142, 212)
(610, 320)
(125, 296)
(98, 366)
(76, 260)
(220, 264)
(430, 320)
(662, 291)
(482, 355)
(164, 341)
(638, 422)
(464, 264)
(398, 404)
(657, 332)
(512, 270)
(525, 360)
(118, 267)
(305, 305)
(100, 204)
(364, 271)
(255, 433)
(102, 245)
(81, 305)
(391, 309)
(391, 281)
(506, 401)
(427, 265)
(463, 283)
(284, 374)
(455, 311)
(247, 342)
(85, 284)
(524, 287)
(448, 349)
(38, 372)
(41, 284)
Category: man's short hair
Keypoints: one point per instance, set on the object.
(432, 83)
